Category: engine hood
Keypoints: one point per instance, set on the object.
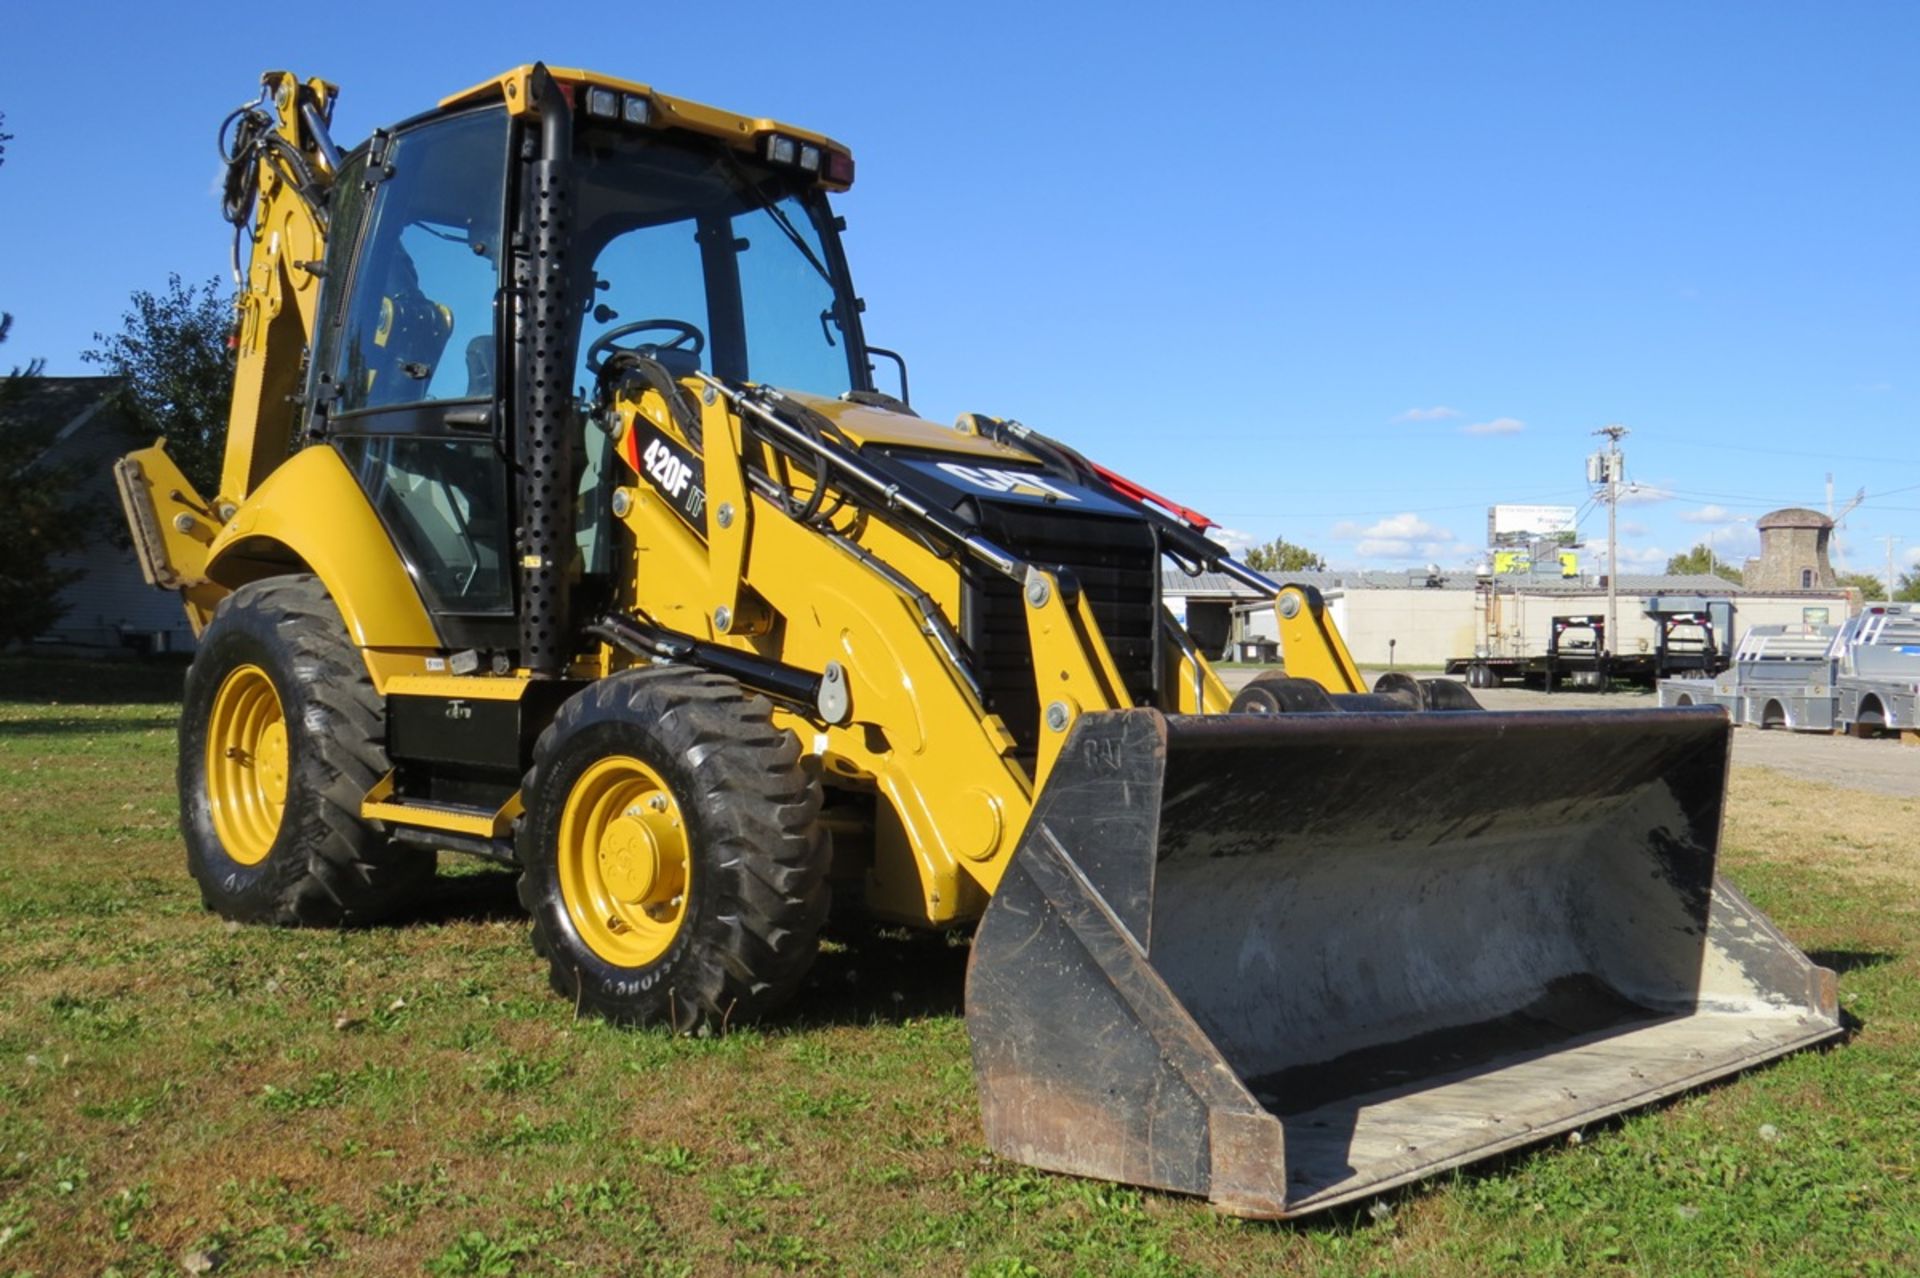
(877, 427)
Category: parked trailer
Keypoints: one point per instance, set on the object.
(1689, 638)
(1781, 677)
(1878, 658)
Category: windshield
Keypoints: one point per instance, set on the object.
(716, 261)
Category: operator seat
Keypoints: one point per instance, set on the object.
(409, 336)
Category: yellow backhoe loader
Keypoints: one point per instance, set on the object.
(562, 523)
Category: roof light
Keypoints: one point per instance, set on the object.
(635, 109)
(810, 157)
(603, 102)
(840, 168)
(781, 148)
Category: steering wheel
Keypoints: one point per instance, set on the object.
(685, 338)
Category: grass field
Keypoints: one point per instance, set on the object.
(179, 1095)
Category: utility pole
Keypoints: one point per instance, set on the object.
(1611, 466)
(1891, 540)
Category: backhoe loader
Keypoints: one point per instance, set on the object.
(563, 523)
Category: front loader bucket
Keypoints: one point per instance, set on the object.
(1288, 961)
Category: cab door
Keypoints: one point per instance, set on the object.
(406, 383)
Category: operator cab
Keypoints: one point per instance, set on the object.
(701, 240)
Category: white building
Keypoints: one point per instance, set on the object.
(1413, 619)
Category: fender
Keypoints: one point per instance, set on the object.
(311, 510)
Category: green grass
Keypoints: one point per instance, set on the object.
(412, 1099)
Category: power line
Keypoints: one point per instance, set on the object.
(1790, 452)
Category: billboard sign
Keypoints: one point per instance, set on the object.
(1524, 525)
(1520, 563)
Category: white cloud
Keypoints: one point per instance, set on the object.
(1438, 413)
(1632, 529)
(1403, 536)
(1912, 557)
(1644, 558)
(1498, 426)
(1404, 527)
(1644, 494)
(1233, 539)
(1735, 542)
(1707, 515)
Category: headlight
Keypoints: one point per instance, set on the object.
(604, 103)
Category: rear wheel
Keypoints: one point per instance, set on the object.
(674, 864)
(1275, 692)
(281, 736)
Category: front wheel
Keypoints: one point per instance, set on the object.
(673, 861)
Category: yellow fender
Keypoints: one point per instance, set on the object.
(311, 511)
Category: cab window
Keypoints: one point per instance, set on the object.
(419, 323)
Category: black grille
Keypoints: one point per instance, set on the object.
(1116, 563)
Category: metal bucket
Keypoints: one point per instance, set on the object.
(1289, 961)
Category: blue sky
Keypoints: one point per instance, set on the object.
(1343, 272)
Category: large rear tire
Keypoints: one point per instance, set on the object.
(673, 860)
(281, 737)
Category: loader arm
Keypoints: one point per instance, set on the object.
(1311, 644)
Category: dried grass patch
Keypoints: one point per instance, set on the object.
(1862, 837)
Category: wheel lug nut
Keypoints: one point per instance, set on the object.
(658, 803)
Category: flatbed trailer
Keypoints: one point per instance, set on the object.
(1576, 655)
(1861, 677)
(1878, 683)
(1781, 677)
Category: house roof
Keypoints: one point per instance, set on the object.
(78, 416)
(1175, 582)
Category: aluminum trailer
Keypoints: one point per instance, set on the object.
(1781, 677)
(1878, 659)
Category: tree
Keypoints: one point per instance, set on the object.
(1701, 559)
(1907, 590)
(1869, 586)
(176, 372)
(1281, 555)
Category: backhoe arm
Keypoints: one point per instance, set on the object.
(280, 166)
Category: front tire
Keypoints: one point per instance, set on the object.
(673, 862)
(281, 737)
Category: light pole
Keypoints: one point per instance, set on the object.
(1613, 463)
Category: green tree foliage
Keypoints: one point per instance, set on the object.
(1907, 589)
(176, 372)
(44, 516)
(1281, 555)
(1701, 559)
(1869, 586)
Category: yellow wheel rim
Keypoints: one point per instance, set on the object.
(247, 764)
(625, 861)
